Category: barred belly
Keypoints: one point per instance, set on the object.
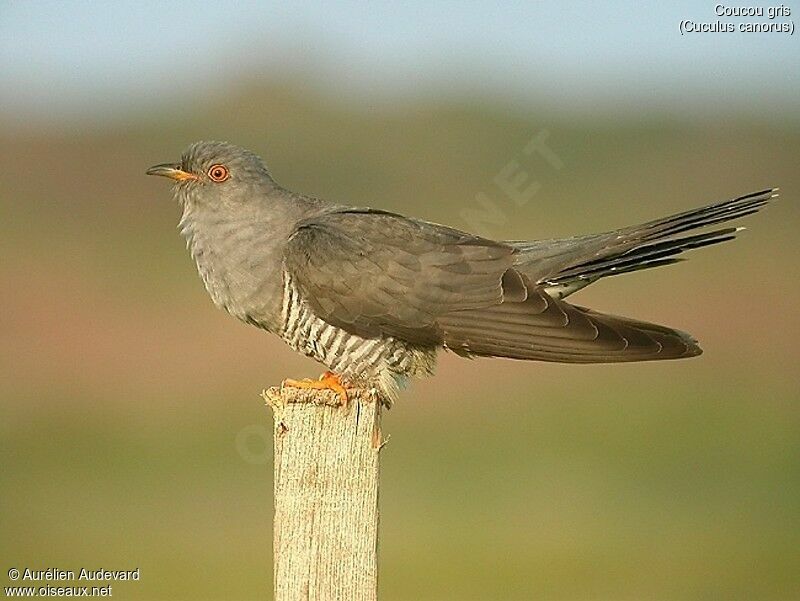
(385, 362)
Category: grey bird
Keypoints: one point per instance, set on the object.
(374, 295)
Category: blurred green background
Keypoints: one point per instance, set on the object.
(132, 432)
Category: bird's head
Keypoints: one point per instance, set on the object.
(215, 174)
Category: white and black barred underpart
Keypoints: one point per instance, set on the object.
(383, 362)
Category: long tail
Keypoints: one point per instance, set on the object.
(567, 265)
(538, 325)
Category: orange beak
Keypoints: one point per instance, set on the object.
(172, 171)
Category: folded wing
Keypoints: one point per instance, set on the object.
(379, 274)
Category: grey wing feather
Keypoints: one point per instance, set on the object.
(376, 273)
(547, 329)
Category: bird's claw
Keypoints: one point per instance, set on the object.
(327, 381)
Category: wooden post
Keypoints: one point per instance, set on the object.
(326, 495)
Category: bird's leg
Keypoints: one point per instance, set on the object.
(327, 381)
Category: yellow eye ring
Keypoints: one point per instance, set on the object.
(218, 173)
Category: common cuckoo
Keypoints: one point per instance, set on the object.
(374, 295)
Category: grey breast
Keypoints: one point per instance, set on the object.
(240, 271)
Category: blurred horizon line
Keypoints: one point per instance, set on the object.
(25, 116)
(68, 61)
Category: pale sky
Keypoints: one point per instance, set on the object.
(62, 58)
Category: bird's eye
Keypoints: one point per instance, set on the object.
(218, 173)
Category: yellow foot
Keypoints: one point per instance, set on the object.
(327, 381)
